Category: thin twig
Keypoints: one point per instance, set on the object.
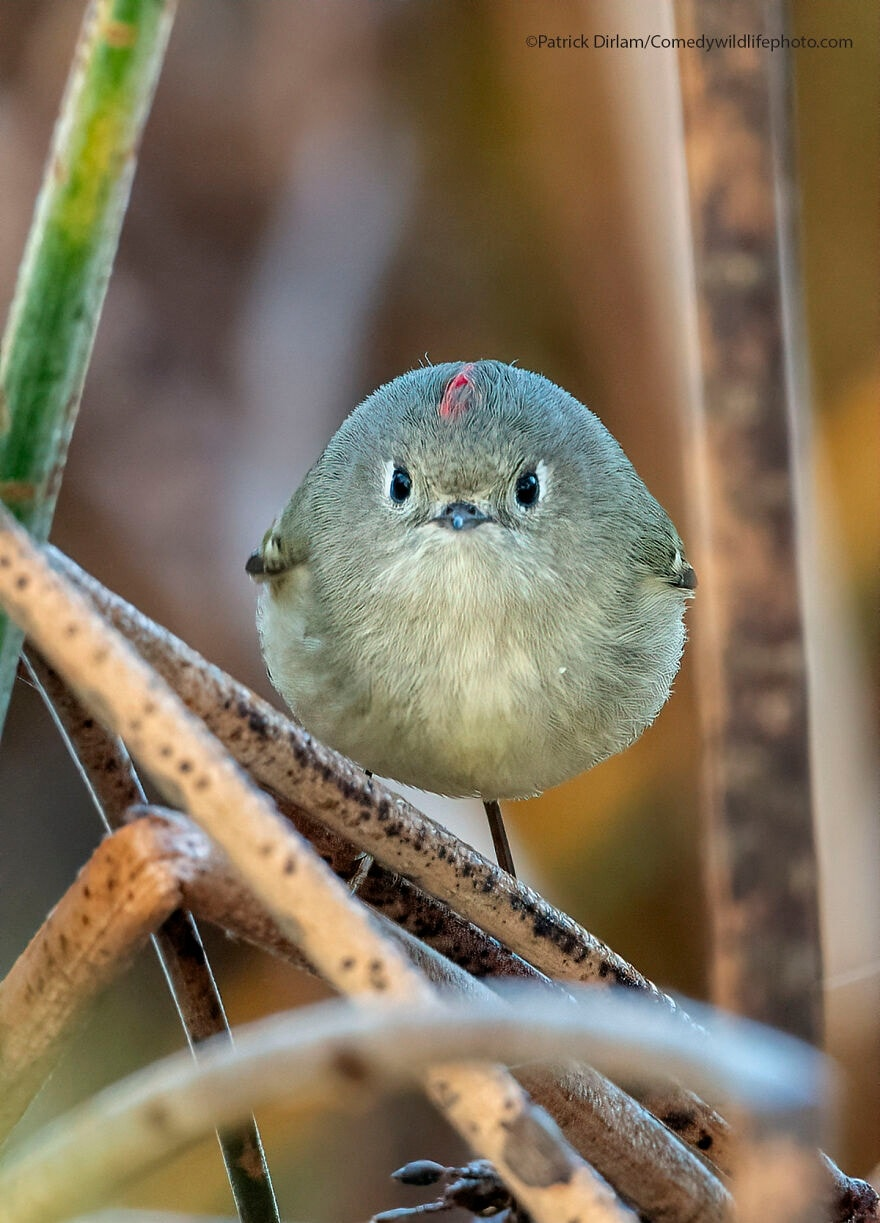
(851, 1200)
(652, 1170)
(648, 1166)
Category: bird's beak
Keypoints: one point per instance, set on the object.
(461, 516)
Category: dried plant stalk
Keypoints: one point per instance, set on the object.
(762, 862)
(110, 778)
(128, 888)
(335, 931)
(841, 1216)
(333, 1052)
(170, 862)
(286, 759)
(643, 1161)
(393, 896)
(361, 811)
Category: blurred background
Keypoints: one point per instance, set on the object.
(328, 194)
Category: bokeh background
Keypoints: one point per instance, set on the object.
(326, 195)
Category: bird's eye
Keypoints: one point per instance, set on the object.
(401, 485)
(528, 489)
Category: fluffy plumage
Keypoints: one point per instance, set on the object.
(499, 660)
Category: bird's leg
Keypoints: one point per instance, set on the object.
(499, 837)
(503, 856)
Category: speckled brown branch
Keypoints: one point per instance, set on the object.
(361, 812)
(128, 888)
(162, 860)
(483, 1101)
(286, 759)
(763, 874)
(258, 735)
(109, 774)
(393, 896)
(648, 1166)
(156, 864)
(110, 778)
(272, 747)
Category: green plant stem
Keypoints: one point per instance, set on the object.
(67, 261)
(45, 353)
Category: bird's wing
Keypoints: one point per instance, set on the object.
(285, 545)
(661, 551)
(682, 573)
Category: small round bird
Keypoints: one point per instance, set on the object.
(472, 591)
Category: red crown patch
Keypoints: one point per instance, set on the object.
(457, 397)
